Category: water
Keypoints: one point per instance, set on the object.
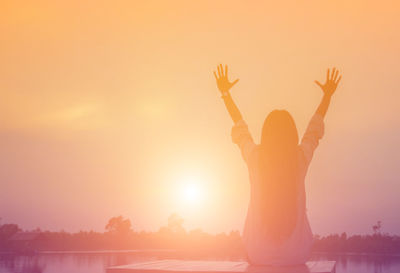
(98, 262)
(363, 263)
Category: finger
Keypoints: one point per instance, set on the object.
(337, 82)
(215, 75)
(336, 75)
(219, 72)
(327, 75)
(235, 82)
(226, 70)
(222, 70)
(319, 84)
(333, 73)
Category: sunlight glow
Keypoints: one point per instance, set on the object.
(191, 191)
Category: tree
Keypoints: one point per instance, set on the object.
(119, 225)
(175, 223)
(8, 230)
(377, 228)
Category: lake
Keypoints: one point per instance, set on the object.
(97, 262)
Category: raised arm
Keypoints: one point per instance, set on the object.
(224, 85)
(329, 88)
(315, 128)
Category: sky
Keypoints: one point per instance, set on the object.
(110, 108)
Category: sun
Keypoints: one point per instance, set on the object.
(191, 192)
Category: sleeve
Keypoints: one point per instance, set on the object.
(310, 140)
(242, 137)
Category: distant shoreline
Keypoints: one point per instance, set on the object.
(177, 251)
(357, 254)
(108, 251)
(129, 251)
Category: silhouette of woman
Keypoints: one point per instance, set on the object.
(277, 231)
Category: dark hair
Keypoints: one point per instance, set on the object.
(278, 166)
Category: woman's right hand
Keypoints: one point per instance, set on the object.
(332, 81)
(329, 88)
(224, 85)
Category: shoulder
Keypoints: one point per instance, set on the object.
(254, 154)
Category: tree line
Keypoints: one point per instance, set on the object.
(119, 235)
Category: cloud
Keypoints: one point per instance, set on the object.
(88, 116)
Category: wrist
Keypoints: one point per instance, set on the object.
(225, 94)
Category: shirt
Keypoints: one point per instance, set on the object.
(297, 247)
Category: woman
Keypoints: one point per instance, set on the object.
(277, 231)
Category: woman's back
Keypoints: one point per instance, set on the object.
(262, 248)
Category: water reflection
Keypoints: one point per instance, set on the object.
(21, 264)
(98, 262)
(363, 263)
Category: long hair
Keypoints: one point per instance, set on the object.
(278, 168)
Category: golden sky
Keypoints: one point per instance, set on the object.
(110, 107)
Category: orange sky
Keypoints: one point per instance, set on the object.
(111, 108)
